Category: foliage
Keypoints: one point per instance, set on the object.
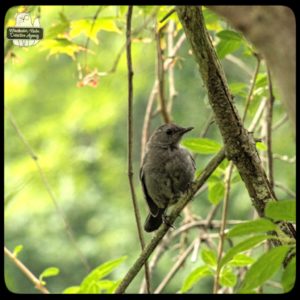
(93, 282)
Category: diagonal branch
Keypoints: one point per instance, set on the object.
(239, 143)
(178, 207)
(37, 283)
(44, 179)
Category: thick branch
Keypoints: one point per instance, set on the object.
(239, 144)
(272, 29)
(178, 207)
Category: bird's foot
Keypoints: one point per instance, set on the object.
(166, 221)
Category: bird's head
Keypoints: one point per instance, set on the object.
(168, 135)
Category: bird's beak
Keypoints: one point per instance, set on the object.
(185, 130)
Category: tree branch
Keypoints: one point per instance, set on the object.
(177, 208)
(239, 144)
(44, 179)
(37, 283)
(130, 139)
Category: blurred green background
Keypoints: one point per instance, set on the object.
(80, 137)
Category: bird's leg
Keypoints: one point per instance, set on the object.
(166, 221)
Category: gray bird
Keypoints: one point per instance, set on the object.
(166, 172)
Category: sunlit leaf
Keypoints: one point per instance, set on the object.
(72, 290)
(227, 277)
(60, 46)
(209, 257)
(90, 282)
(17, 250)
(261, 146)
(90, 28)
(241, 260)
(201, 145)
(215, 191)
(49, 272)
(195, 277)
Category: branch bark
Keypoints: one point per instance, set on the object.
(130, 140)
(272, 29)
(239, 143)
(178, 207)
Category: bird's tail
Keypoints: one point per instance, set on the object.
(152, 223)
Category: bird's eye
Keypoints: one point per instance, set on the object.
(169, 131)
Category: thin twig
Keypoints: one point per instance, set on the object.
(153, 93)
(285, 158)
(269, 119)
(160, 77)
(147, 119)
(133, 33)
(177, 208)
(167, 15)
(286, 189)
(250, 94)
(223, 224)
(280, 122)
(175, 268)
(88, 38)
(172, 91)
(60, 212)
(258, 115)
(130, 139)
(37, 283)
(239, 63)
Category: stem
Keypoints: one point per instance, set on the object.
(130, 139)
(37, 283)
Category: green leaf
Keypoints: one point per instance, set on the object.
(209, 257)
(194, 277)
(241, 260)
(225, 47)
(51, 271)
(255, 226)
(264, 268)
(57, 30)
(107, 286)
(289, 275)
(261, 81)
(211, 20)
(72, 290)
(229, 35)
(90, 28)
(90, 282)
(227, 277)
(261, 146)
(238, 88)
(243, 246)
(215, 191)
(284, 210)
(201, 145)
(17, 250)
(60, 46)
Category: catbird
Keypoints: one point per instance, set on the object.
(166, 172)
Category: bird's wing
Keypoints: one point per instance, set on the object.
(154, 210)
